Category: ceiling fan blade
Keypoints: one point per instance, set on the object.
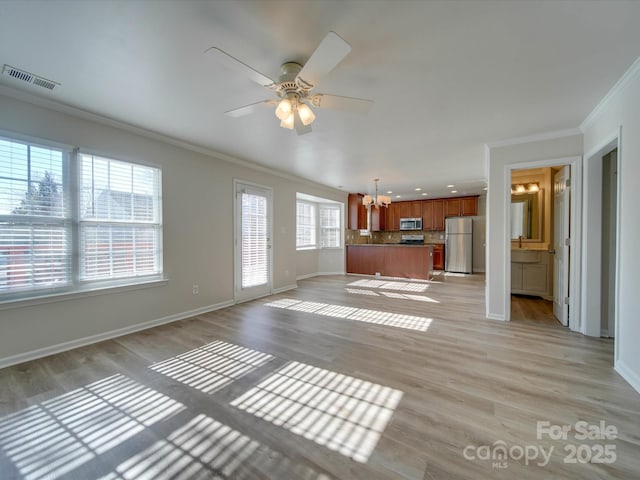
(302, 129)
(234, 64)
(247, 109)
(344, 104)
(329, 53)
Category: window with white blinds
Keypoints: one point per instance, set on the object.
(318, 224)
(329, 226)
(305, 225)
(119, 219)
(35, 223)
(67, 220)
(255, 238)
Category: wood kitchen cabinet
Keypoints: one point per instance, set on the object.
(433, 215)
(469, 206)
(391, 260)
(452, 207)
(432, 212)
(357, 219)
(405, 209)
(364, 259)
(392, 220)
(438, 215)
(438, 257)
(378, 219)
(461, 206)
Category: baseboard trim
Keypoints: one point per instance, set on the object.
(629, 375)
(317, 274)
(308, 275)
(285, 288)
(493, 316)
(100, 337)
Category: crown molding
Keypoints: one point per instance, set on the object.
(537, 137)
(87, 115)
(620, 85)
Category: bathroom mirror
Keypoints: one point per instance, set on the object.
(526, 216)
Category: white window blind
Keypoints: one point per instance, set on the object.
(120, 219)
(255, 266)
(35, 223)
(329, 226)
(305, 225)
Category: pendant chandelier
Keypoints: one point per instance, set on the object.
(378, 200)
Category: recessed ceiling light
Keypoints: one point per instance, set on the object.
(389, 191)
(397, 196)
(454, 191)
(418, 189)
(484, 188)
(450, 186)
(425, 193)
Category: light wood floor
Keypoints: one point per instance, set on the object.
(344, 377)
(532, 309)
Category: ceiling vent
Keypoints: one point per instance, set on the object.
(29, 77)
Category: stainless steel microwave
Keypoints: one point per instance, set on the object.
(411, 223)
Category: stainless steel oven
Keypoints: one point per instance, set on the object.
(411, 223)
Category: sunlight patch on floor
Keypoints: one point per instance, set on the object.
(409, 296)
(342, 413)
(53, 438)
(391, 285)
(377, 317)
(206, 448)
(451, 274)
(358, 291)
(212, 366)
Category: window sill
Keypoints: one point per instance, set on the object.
(88, 291)
(310, 249)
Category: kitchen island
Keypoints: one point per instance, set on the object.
(391, 260)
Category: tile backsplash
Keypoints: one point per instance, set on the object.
(354, 237)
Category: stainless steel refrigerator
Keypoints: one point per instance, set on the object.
(458, 244)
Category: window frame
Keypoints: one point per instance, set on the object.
(338, 228)
(314, 217)
(318, 206)
(79, 221)
(75, 286)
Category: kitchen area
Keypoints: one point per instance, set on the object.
(415, 238)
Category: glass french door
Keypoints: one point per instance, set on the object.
(253, 224)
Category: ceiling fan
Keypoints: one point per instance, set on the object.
(295, 85)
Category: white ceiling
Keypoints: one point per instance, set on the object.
(446, 76)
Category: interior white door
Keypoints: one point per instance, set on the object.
(253, 225)
(561, 243)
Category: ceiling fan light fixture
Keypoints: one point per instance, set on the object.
(284, 109)
(306, 114)
(288, 121)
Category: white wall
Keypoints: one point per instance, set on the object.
(320, 262)
(498, 239)
(198, 238)
(620, 111)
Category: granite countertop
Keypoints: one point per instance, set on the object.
(388, 245)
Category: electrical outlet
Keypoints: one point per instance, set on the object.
(195, 289)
